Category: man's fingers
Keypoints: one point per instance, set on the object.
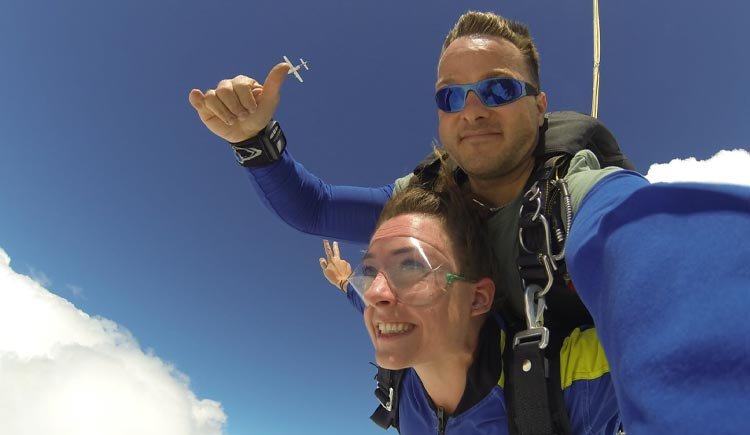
(243, 88)
(336, 249)
(214, 104)
(197, 100)
(274, 80)
(323, 263)
(226, 93)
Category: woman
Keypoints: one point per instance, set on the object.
(426, 291)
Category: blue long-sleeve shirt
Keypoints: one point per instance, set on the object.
(353, 297)
(310, 205)
(664, 271)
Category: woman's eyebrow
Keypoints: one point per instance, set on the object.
(403, 250)
(397, 251)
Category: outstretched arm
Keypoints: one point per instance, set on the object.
(663, 269)
(308, 204)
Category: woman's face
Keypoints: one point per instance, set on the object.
(405, 335)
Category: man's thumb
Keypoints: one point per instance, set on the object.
(276, 77)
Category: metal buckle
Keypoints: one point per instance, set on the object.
(389, 404)
(534, 306)
(541, 334)
(534, 309)
(547, 239)
(534, 196)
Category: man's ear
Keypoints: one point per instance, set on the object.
(483, 296)
(541, 106)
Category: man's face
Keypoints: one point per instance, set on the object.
(409, 336)
(488, 142)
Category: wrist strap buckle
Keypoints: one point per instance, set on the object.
(262, 149)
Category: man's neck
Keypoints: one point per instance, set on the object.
(499, 191)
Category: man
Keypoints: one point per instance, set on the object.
(494, 142)
(494, 146)
(425, 281)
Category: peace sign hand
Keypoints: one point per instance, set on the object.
(335, 269)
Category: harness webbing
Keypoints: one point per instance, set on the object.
(528, 412)
(388, 384)
(535, 402)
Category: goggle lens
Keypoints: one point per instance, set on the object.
(410, 272)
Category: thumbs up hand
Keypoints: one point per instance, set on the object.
(241, 107)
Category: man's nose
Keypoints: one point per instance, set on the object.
(473, 107)
(380, 292)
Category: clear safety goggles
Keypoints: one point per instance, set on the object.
(491, 92)
(413, 270)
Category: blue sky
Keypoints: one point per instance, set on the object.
(112, 188)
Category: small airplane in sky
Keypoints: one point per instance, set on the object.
(293, 69)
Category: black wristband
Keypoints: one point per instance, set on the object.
(261, 149)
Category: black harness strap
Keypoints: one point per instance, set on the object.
(529, 373)
(535, 395)
(556, 401)
(531, 376)
(389, 381)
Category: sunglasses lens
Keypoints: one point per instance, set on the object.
(495, 92)
(450, 99)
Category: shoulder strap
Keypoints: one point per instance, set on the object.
(570, 132)
(535, 396)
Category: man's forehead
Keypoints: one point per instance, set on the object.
(473, 58)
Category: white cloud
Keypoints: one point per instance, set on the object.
(729, 167)
(65, 372)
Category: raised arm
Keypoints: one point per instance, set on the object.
(237, 110)
(337, 271)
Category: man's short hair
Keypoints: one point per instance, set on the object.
(474, 23)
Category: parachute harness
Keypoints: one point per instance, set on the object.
(542, 255)
(536, 401)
